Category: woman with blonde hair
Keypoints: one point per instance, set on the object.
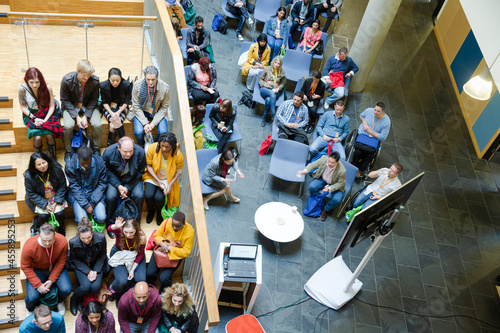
(178, 311)
(272, 83)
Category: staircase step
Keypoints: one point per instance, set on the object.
(5, 102)
(12, 313)
(9, 212)
(8, 188)
(7, 141)
(6, 121)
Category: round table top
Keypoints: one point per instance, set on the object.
(278, 222)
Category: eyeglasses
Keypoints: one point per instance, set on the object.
(45, 324)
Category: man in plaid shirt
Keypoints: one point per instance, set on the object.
(292, 118)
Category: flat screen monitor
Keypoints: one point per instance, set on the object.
(364, 223)
(242, 251)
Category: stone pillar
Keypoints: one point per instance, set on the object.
(377, 20)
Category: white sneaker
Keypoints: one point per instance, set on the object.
(250, 20)
(240, 37)
(327, 106)
(61, 308)
(28, 313)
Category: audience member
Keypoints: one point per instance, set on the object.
(115, 100)
(174, 7)
(174, 237)
(79, 99)
(386, 182)
(127, 255)
(150, 102)
(95, 318)
(42, 319)
(125, 163)
(45, 187)
(314, 90)
(177, 27)
(271, 82)
(222, 117)
(88, 259)
(332, 127)
(302, 15)
(215, 175)
(332, 10)
(328, 177)
(238, 8)
(276, 31)
(311, 39)
(178, 313)
(43, 261)
(197, 117)
(292, 118)
(339, 62)
(36, 100)
(88, 181)
(202, 81)
(198, 38)
(164, 162)
(258, 58)
(374, 129)
(139, 310)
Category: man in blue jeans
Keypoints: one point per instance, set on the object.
(88, 181)
(125, 163)
(43, 261)
(339, 62)
(150, 101)
(332, 127)
(238, 8)
(386, 182)
(329, 177)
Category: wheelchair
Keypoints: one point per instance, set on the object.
(349, 151)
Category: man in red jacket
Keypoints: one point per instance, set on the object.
(43, 261)
(139, 309)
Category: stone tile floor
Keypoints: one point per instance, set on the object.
(443, 254)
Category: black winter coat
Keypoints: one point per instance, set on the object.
(35, 192)
(77, 259)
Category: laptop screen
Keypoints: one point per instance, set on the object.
(239, 251)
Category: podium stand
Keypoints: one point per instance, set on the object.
(247, 287)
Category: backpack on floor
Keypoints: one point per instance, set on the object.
(246, 99)
(219, 24)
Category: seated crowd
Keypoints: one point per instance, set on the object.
(107, 192)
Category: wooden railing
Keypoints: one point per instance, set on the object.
(69, 19)
(165, 52)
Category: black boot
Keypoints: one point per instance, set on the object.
(111, 138)
(120, 131)
(150, 216)
(159, 218)
(73, 305)
(52, 151)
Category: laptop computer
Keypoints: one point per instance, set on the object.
(241, 261)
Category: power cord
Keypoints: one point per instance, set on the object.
(297, 302)
(426, 316)
(322, 313)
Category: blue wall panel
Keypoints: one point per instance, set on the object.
(488, 122)
(466, 61)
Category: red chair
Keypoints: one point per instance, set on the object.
(244, 324)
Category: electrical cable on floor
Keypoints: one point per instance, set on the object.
(427, 316)
(323, 313)
(297, 302)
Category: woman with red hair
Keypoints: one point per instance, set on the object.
(37, 104)
(201, 81)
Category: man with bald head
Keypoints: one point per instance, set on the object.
(125, 163)
(139, 309)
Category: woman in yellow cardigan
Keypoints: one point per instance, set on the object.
(258, 58)
(164, 165)
(175, 237)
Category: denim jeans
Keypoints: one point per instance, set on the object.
(121, 283)
(112, 196)
(363, 199)
(320, 143)
(242, 14)
(99, 210)
(136, 328)
(275, 45)
(316, 189)
(63, 287)
(139, 130)
(270, 98)
(337, 93)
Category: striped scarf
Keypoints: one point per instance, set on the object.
(143, 97)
